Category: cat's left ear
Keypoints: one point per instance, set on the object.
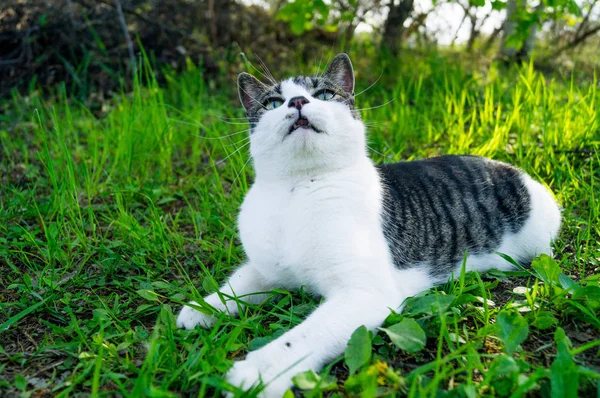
(341, 73)
(250, 89)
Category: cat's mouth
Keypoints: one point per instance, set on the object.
(302, 122)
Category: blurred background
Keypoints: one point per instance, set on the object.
(91, 45)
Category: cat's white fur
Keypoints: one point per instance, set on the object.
(313, 218)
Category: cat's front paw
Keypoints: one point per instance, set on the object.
(188, 318)
(250, 372)
(243, 375)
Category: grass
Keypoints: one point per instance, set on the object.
(110, 219)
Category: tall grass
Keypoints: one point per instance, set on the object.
(110, 219)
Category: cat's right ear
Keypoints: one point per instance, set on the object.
(250, 90)
(341, 73)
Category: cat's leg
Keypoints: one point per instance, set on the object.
(244, 281)
(322, 337)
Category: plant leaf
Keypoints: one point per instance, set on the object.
(310, 380)
(358, 352)
(148, 294)
(547, 269)
(566, 282)
(430, 304)
(564, 380)
(407, 335)
(512, 329)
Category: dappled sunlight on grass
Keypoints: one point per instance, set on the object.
(109, 221)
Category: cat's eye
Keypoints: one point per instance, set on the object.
(324, 95)
(273, 103)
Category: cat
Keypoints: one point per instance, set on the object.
(364, 237)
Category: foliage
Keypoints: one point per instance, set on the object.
(110, 219)
(303, 14)
(505, 372)
(527, 15)
(573, 22)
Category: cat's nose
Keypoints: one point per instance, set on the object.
(297, 102)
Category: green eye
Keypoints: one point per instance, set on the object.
(273, 103)
(325, 95)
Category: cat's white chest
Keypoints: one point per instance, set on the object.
(306, 232)
(262, 228)
(278, 223)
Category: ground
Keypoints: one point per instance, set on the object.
(111, 219)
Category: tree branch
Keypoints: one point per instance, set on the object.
(462, 21)
(586, 18)
(126, 33)
(576, 41)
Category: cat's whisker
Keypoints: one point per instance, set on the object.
(192, 121)
(327, 63)
(223, 136)
(241, 171)
(375, 122)
(235, 144)
(318, 73)
(267, 73)
(217, 138)
(375, 126)
(375, 107)
(376, 151)
(193, 124)
(269, 76)
(240, 119)
(368, 88)
(227, 118)
(200, 124)
(226, 122)
(171, 107)
(233, 153)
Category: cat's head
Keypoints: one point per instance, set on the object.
(304, 124)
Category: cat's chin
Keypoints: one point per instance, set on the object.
(302, 140)
(304, 144)
(306, 128)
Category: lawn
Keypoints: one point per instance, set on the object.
(113, 213)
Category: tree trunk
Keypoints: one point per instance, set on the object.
(525, 51)
(212, 21)
(474, 32)
(509, 28)
(348, 35)
(220, 21)
(394, 24)
(277, 6)
(490, 40)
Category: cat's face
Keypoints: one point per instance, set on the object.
(304, 123)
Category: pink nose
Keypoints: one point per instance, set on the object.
(297, 102)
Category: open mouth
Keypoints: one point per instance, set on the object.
(302, 122)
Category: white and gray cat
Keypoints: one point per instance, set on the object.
(321, 215)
